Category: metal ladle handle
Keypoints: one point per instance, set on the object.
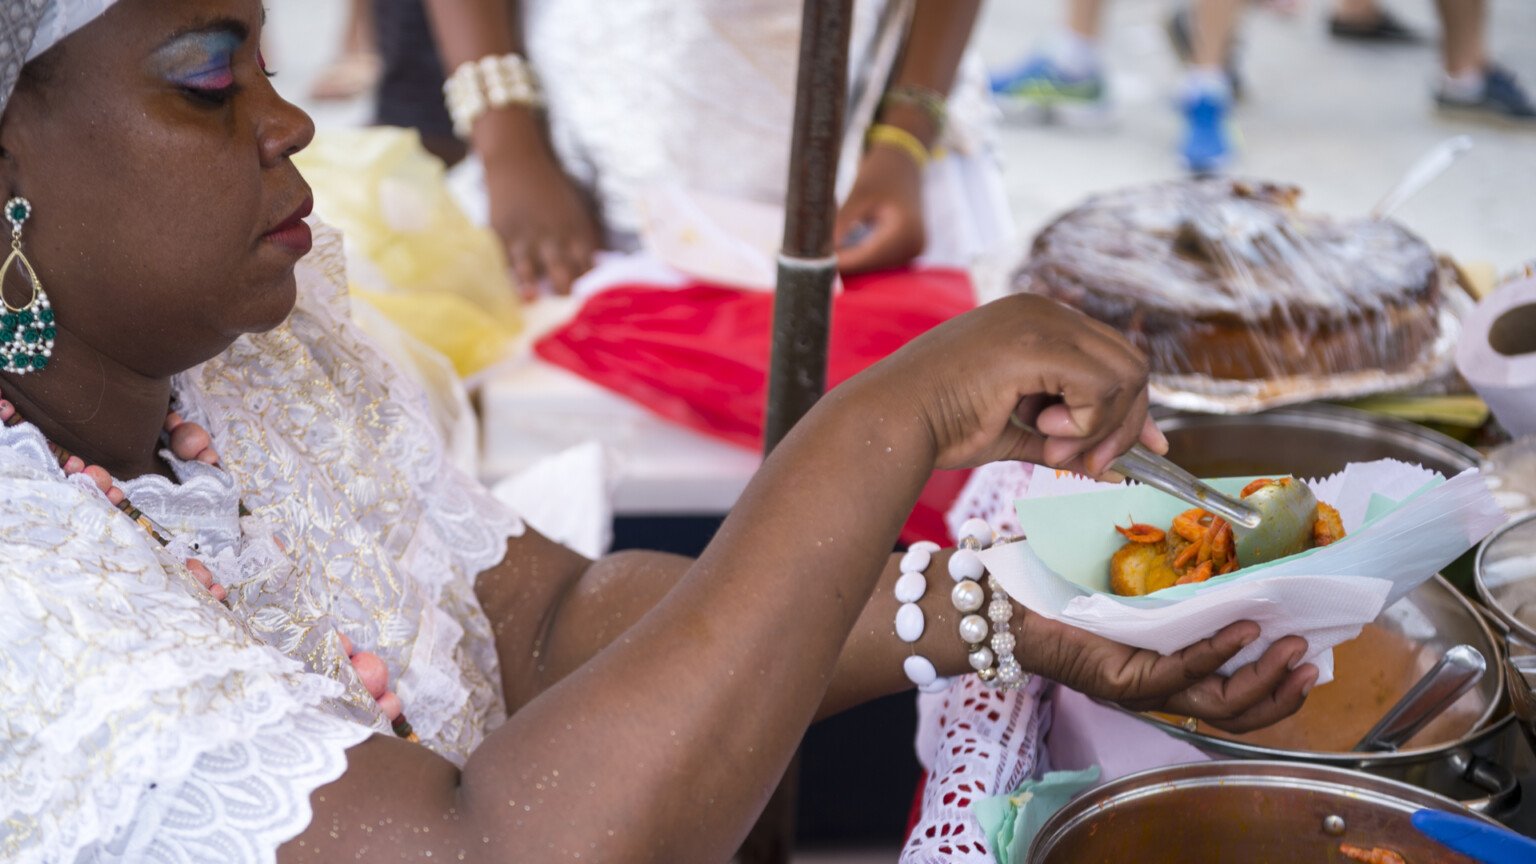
(1456, 673)
(1150, 469)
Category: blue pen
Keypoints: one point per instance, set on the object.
(1488, 844)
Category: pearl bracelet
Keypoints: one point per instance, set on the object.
(910, 622)
(491, 82)
(967, 570)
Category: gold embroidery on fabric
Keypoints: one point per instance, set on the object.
(313, 436)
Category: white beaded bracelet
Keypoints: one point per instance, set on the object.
(491, 82)
(910, 622)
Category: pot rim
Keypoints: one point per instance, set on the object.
(1269, 774)
(1511, 623)
(1335, 418)
(1489, 723)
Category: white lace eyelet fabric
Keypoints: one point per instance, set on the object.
(976, 742)
(142, 721)
(988, 495)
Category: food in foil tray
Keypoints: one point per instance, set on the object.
(1197, 546)
(1228, 279)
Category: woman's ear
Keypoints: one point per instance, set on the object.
(17, 129)
(12, 145)
(7, 161)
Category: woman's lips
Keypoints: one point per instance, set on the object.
(293, 233)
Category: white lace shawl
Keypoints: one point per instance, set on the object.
(144, 722)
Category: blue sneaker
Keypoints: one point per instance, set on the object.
(1206, 147)
(1502, 99)
(1040, 88)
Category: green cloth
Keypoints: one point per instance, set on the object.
(1010, 822)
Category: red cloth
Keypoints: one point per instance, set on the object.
(698, 355)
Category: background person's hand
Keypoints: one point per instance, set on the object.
(880, 226)
(1185, 683)
(545, 221)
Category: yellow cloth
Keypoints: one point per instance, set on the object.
(434, 273)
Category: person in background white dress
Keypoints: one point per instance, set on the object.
(700, 94)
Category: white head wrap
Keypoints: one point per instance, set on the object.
(30, 27)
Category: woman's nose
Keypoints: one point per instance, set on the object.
(283, 130)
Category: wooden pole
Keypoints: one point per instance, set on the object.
(802, 306)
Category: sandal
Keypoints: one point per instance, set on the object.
(1383, 28)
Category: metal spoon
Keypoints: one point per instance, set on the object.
(1456, 673)
(1287, 512)
(1269, 524)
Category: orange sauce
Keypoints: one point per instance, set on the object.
(1370, 674)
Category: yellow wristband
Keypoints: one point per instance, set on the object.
(901, 139)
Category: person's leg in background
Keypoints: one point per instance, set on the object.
(411, 84)
(1209, 84)
(1470, 82)
(1063, 79)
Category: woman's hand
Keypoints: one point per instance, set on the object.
(967, 377)
(1185, 683)
(880, 226)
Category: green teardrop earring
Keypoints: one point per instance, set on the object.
(26, 331)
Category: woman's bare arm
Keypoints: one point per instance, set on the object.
(548, 227)
(666, 743)
(597, 601)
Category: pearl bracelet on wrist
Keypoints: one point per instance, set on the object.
(491, 82)
(986, 645)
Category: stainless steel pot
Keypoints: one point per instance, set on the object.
(1275, 812)
(1469, 766)
(1318, 440)
(1505, 575)
(1305, 440)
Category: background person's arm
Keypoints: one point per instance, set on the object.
(546, 222)
(886, 200)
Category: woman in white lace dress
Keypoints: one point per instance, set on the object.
(635, 708)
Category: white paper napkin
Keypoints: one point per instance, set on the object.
(1325, 596)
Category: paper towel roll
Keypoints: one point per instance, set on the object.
(1497, 354)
